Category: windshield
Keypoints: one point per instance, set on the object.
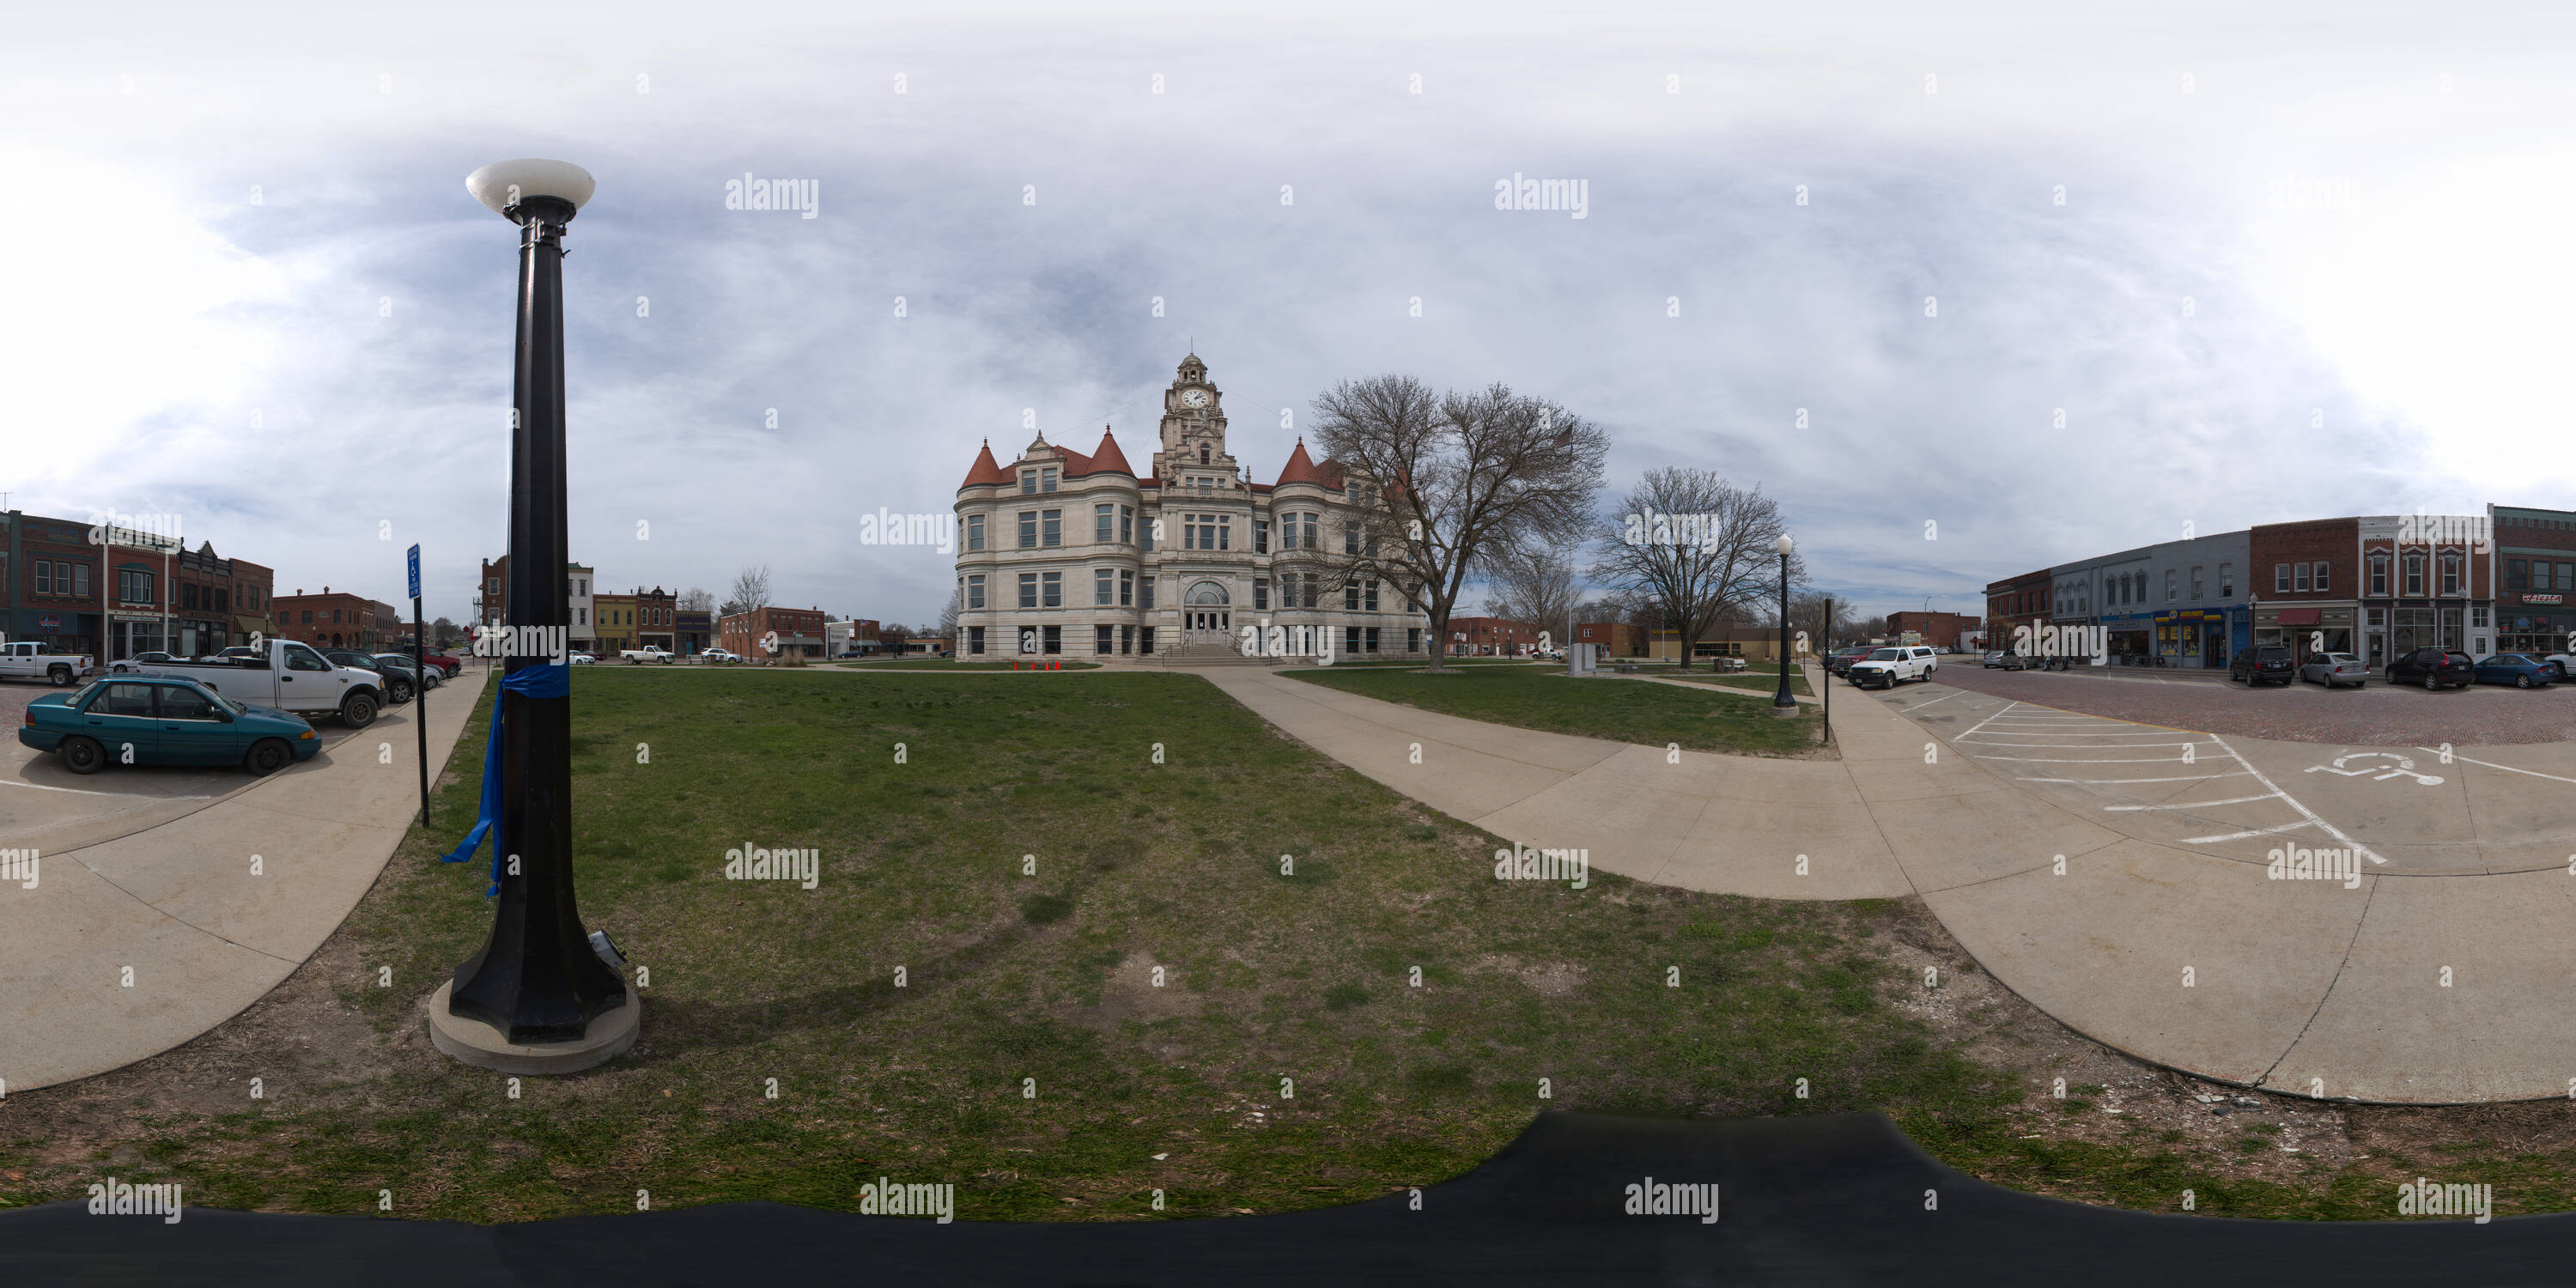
(1886, 655)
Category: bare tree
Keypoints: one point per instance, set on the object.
(750, 590)
(1529, 582)
(696, 600)
(1697, 546)
(1807, 613)
(948, 617)
(1461, 474)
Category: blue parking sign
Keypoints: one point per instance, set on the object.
(414, 561)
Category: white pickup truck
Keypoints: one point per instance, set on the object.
(648, 653)
(30, 660)
(290, 677)
(1893, 666)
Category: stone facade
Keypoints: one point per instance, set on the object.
(1065, 553)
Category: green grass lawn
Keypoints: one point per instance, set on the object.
(1603, 707)
(963, 664)
(1750, 681)
(1288, 1059)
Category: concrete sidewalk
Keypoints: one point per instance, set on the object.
(176, 903)
(2066, 862)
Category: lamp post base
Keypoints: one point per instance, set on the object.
(1789, 713)
(471, 1041)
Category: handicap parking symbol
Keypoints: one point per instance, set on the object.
(2379, 773)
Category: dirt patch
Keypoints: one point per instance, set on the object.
(1549, 979)
(1131, 995)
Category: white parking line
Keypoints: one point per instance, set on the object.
(2232, 800)
(2506, 768)
(2184, 778)
(1989, 719)
(2262, 831)
(82, 791)
(2086, 760)
(2086, 746)
(2293, 802)
(1920, 705)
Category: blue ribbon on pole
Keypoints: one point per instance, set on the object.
(540, 680)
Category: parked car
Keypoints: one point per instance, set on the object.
(31, 660)
(1889, 667)
(2565, 662)
(2521, 670)
(2433, 668)
(1995, 658)
(399, 684)
(1840, 660)
(402, 662)
(2334, 670)
(163, 720)
(2263, 663)
(444, 663)
(717, 655)
(581, 659)
(293, 677)
(2024, 662)
(648, 653)
(129, 665)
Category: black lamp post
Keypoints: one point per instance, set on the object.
(536, 979)
(1784, 703)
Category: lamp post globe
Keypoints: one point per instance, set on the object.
(1784, 703)
(537, 997)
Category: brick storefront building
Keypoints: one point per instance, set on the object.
(2535, 595)
(2427, 584)
(1491, 636)
(331, 619)
(1613, 639)
(2307, 585)
(799, 631)
(2018, 601)
(656, 619)
(1948, 629)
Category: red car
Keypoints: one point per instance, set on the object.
(443, 662)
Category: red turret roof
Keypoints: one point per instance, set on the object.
(1302, 468)
(1107, 459)
(986, 470)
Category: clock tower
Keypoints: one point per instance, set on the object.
(1193, 430)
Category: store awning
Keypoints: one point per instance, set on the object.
(2299, 616)
(249, 625)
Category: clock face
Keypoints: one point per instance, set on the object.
(1195, 398)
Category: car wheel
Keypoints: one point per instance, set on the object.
(2432, 682)
(358, 711)
(267, 756)
(2522, 681)
(398, 692)
(83, 755)
(61, 676)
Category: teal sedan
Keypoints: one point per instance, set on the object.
(163, 720)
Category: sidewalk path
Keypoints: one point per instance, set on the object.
(177, 904)
(2114, 874)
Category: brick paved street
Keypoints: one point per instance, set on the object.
(2372, 716)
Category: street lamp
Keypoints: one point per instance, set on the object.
(1784, 703)
(537, 997)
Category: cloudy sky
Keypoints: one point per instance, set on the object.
(2304, 262)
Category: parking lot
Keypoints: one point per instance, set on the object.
(2374, 715)
(51, 809)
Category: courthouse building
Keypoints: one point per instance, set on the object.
(1057, 551)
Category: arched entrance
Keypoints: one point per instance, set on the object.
(1205, 613)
